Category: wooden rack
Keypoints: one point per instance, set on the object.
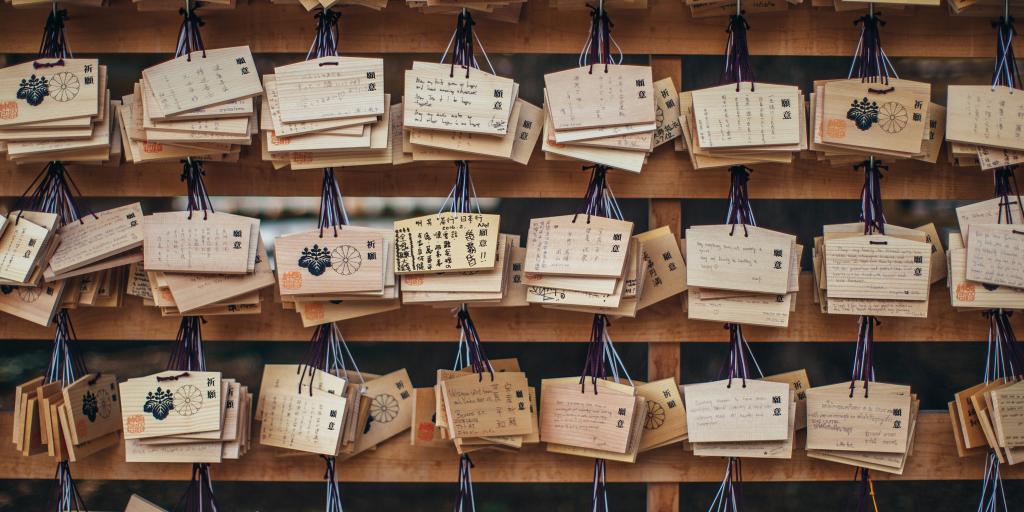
(666, 32)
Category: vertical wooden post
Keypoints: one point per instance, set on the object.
(663, 358)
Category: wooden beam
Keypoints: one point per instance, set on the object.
(663, 497)
(661, 323)
(934, 458)
(666, 27)
(668, 174)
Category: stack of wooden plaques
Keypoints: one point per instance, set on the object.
(493, 286)
(983, 118)
(869, 425)
(485, 411)
(185, 416)
(741, 418)
(742, 274)
(348, 412)
(988, 416)
(852, 119)
(203, 263)
(878, 275)
(584, 263)
(27, 239)
(973, 287)
(592, 418)
(336, 273)
(453, 258)
(67, 422)
(47, 4)
(197, 105)
(742, 124)
(605, 114)
(460, 113)
(326, 112)
(94, 253)
(57, 109)
(508, 11)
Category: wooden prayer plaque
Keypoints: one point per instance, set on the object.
(877, 267)
(874, 115)
(743, 258)
(217, 244)
(994, 254)
(586, 419)
(578, 245)
(981, 114)
(330, 88)
(748, 115)
(95, 408)
(598, 95)
(349, 261)
(446, 242)
(473, 101)
(30, 94)
(94, 238)
(737, 410)
(487, 404)
(182, 403)
(201, 79)
(873, 423)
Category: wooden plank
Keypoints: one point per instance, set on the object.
(663, 497)
(668, 174)
(664, 28)
(934, 458)
(661, 323)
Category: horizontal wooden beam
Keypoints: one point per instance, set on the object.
(934, 458)
(666, 27)
(662, 323)
(668, 174)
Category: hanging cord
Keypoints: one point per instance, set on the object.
(328, 352)
(597, 48)
(863, 354)
(332, 205)
(737, 67)
(188, 356)
(864, 497)
(54, 44)
(53, 191)
(1006, 72)
(189, 38)
(462, 197)
(464, 499)
(741, 356)
(333, 500)
(470, 353)
(871, 212)
(66, 362)
(461, 46)
(600, 494)
(67, 497)
(198, 496)
(739, 211)
(326, 39)
(993, 492)
(599, 199)
(729, 497)
(870, 63)
(198, 198)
